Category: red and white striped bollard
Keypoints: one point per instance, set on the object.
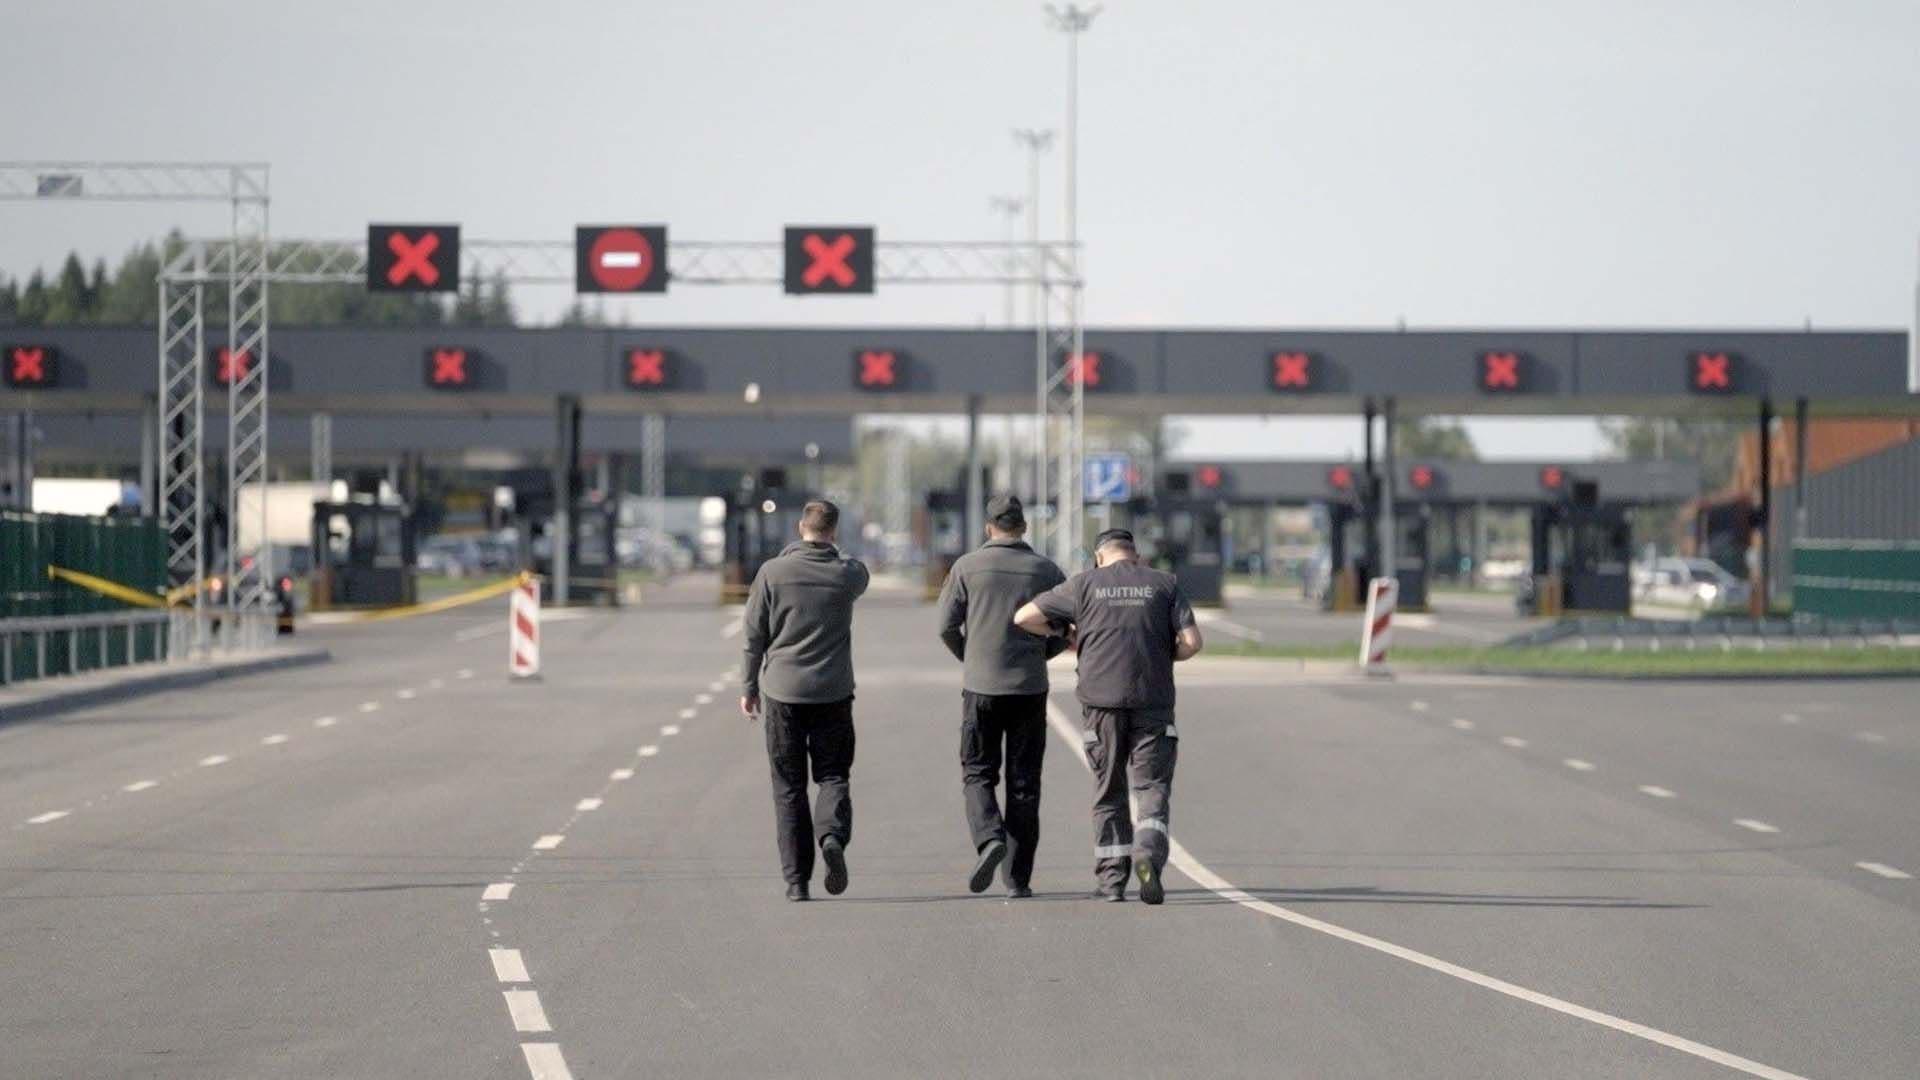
(523, 630)
(1382, 595)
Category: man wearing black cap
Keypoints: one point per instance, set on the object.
(1133, 623)
(1003, 699)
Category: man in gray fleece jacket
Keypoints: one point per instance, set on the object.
(798, 679)
(1003, 696)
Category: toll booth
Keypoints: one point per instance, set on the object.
(1581, 552)
(943, 536)
(1353, 555)
(762, 518)
(593, 567)
(1185, 533)
(363, 554)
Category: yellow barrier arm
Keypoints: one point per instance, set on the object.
(111, 589)
(446, 603)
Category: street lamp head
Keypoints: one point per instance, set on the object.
(1071, 18)
(1036, 139)
(1005, 204)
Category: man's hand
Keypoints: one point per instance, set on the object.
(750, 707)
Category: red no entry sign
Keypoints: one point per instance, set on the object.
(413, 258)
(28, 367)
(620, 258)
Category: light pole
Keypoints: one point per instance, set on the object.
(1072, 20)
(1035, 141)
(1008, 208)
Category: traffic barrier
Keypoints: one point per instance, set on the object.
(447, 603)
(523, 631)
(113, 590)
(1377, 635)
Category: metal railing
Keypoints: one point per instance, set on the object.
(47, 646)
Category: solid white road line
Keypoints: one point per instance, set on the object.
(549, 842)
(649, 750)
(587, 804)
(141, 785)
(1656, 791)
(620, 774)
(1884, 871)
(1513, 741)
(1463, 724)
(1213, 621)
(325, 721)
(703, 699)
(688, 714)
(499, 890)
(669, 729)
(544, 1061)
(475, 633)
(1226, 890)
(1578, 765)
(732, 629)
(1756, 826)
(273, 740)
(508, 967)
(524, 1007)
(214, 759)
(51, 815)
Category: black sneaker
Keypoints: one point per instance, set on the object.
(1151, 891)
(1019, 892)
(797, 892)
(986, 864)
(1112, 894)
(836, 860)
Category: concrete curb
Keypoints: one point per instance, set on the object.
(66, 694)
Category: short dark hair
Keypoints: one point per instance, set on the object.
(819, 516)
(1114, 538)
(1004, 512)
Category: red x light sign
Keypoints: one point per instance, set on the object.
(878, 369)
(449, 368)
(1083, 369)
(829, 259)
(227, 367)
(413, 258)
(1553, 478)
(1710, 373)
(1292, 372)
(620, 259)
(647, 369)
(1501, 372)
(1422, 477)
(1340, 478)
(1209, 477)
(30, 367)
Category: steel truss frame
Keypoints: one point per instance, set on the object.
(1052, 270)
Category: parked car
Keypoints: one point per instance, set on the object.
(1699, 585)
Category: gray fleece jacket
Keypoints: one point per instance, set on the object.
(799, 625)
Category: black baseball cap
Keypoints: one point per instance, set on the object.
(1005, 512)
(1113, 536)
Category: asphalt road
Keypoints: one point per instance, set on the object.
(1373, 878)
(1280, 617)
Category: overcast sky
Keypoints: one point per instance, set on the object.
(1477, 162)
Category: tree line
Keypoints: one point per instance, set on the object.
(128, 295)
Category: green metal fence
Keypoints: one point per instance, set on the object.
(129, 551)
(1851, 578)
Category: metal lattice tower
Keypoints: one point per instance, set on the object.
(653, 479)
(899, 495)
(249, 577)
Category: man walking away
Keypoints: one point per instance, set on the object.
(1003, 696)
(799, 680)
(1132, 623)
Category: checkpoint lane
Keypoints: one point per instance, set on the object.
(313, 915)
(1282, 617)
(691, 936)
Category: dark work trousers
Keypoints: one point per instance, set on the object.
(797, 734)
(1129, 748)
(1020, 721)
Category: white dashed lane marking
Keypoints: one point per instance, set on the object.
(508, 967)
(620, 774)
(1512, 740)
(544, 1061)
(435, 684)
(369, 706)
(649, 750)
(670, 729)
(703, 699)
(51, 815)
(1756, 826)
(585, 805)
(1789, 718)
(549, 842)
(1463, 725)
(688, 714)
(1417, 705)
(1656, 791)
(1884, 871)
(214, 759)
(524, 1007)
(464, 673)
(140, 785)
(732, 629)
(405, 695)
(499, 890)
(1578, 765)
(325, 721)
(1871, 736)
(716, 686)
(273, 740)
